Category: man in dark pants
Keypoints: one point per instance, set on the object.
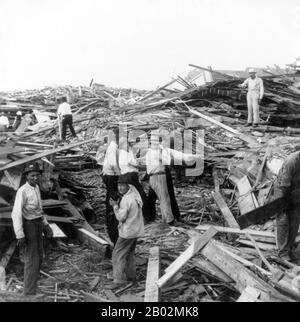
(129, 168)
(111, 174)
(29, 224)
(288, 181)
(65, 115)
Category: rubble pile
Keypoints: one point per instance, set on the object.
(210, 255)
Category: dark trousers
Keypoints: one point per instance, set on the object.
(287, 229)
(111, 183)
(33, 230)
(123, 259)
(133, 179)
(152, 197)
(67, 120)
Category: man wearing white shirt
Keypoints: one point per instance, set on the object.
(65, 115)
(4, 122)
(129, 168)
(111, 172)
(254, 97)
(157, 160)
(29, 223)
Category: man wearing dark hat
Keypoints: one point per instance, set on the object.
(131, 226)
(29, 224)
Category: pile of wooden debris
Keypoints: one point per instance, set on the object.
(207, 257)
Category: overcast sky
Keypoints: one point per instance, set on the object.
(140, 43)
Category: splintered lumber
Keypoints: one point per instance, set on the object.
(270, 267)
(195, 247)
(247, 200)
(3, 263)
(152, 291)
(250, 294)
(241, 275)
(236, 133)
(225, 210)
(45, 154)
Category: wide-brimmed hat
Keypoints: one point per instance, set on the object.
(32, 168)
(251, 71)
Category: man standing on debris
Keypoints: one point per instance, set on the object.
(161, 183)
(129, 169)
(131, 226)
(4, 122)
(111, 172)
(288, 185)
(65, 116)
(29, 224)
(254, 96)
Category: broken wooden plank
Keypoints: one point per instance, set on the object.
(196, 246)
(228, 230)
(57, 232)
(92, 237)
(158, 90)
(152, 291)
(225, 210)
(45, 154)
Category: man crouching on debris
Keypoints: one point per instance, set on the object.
(29, 224)
(288, 185)
(131, 226)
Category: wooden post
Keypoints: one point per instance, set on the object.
(152, 292)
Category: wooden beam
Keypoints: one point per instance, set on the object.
(88, 297)
(241, 275)
(225, 210)
(45, 154)
(250, 140)
(228, 230)
(152, 291)
(196, 246)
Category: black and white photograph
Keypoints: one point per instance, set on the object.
(149, 154)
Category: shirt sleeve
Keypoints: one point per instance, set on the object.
(261, 89)
(16, 215)
(245, 83)
(122, 212)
